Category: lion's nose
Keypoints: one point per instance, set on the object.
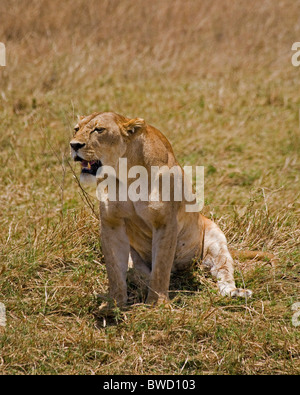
(77, 146)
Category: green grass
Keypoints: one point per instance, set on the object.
(53, 264)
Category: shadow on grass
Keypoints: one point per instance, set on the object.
(180, 282)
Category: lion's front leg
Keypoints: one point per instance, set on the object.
(115, 247)
(163, 252)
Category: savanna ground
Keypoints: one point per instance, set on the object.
(216, 77)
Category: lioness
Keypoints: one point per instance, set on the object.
(161, 237)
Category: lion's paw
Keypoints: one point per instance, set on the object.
(241, 293)
(229, 290)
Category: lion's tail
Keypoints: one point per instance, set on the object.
(258, 255)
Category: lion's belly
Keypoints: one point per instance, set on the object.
(188, 246)
(188, 242)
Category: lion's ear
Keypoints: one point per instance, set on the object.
(133, 125)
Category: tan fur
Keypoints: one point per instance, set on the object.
(159, 236)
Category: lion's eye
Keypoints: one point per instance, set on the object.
(76, 129)
(99, 130)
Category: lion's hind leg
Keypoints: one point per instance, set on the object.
(217, 258)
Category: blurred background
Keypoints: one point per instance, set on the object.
(51, 44)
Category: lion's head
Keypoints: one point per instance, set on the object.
(101, 139)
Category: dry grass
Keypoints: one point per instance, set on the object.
(216, 78)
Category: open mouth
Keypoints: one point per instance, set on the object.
(89, 167)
